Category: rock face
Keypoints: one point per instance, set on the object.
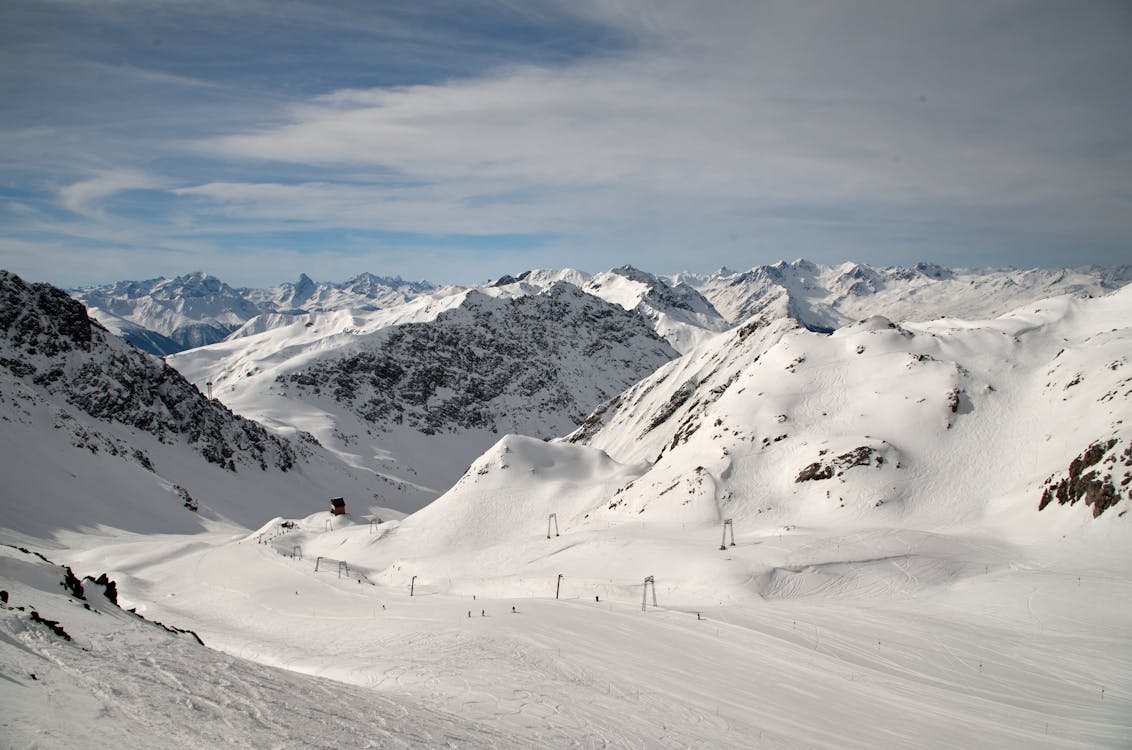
(50, 349)
(1100, 476)
(536, 364)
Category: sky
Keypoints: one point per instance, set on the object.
(458, 141)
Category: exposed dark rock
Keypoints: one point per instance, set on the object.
(861, 456)
(112, 381)
(675, 401)
(491, 363)
(1096, 486)
(52, 625)
(595, 421)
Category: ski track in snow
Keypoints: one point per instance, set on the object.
(873, 657)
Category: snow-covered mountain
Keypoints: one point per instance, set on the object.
(85, 411)
(191, 310)
(827, 297)
(428, 386)
(677, 312)
(363, 292)
(933, 423)
(197, 309)
(928, 545)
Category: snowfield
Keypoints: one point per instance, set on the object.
(887, 579)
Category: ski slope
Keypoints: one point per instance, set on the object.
(808, 638)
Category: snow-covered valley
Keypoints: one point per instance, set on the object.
(781, 539)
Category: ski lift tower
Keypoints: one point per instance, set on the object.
(723, 542)
(650, 581)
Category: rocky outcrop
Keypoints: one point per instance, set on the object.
(828, 468)
(1100, 476)
(48, 343)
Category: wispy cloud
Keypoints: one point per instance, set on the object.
(86, 196)
(626, 130)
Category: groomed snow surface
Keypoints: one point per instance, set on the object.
(808, 638)
(922, 601)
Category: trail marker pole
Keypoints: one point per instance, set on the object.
(552, 518)
(412, 584)
(558, 587)
(727, 525)
(650, 581)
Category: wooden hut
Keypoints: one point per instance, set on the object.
(338, 506)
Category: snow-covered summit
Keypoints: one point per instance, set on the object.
(191, 310)
(677, 312)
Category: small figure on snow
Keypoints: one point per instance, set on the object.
(513, 610)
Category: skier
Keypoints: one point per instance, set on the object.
(513, 610)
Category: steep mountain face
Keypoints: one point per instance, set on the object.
(677, 312)
(53, 350)
(91, 423)
(533, 364)
(198, 309)
(824, 298)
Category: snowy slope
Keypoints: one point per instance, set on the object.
(139, 336)
(82, 672)
(97, 432)
(826, 297)
(935, 424)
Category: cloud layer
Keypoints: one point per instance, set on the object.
(657, 133)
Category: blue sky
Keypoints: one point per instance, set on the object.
(457, 141)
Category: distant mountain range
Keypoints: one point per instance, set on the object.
(164, 316)
(403, 384)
